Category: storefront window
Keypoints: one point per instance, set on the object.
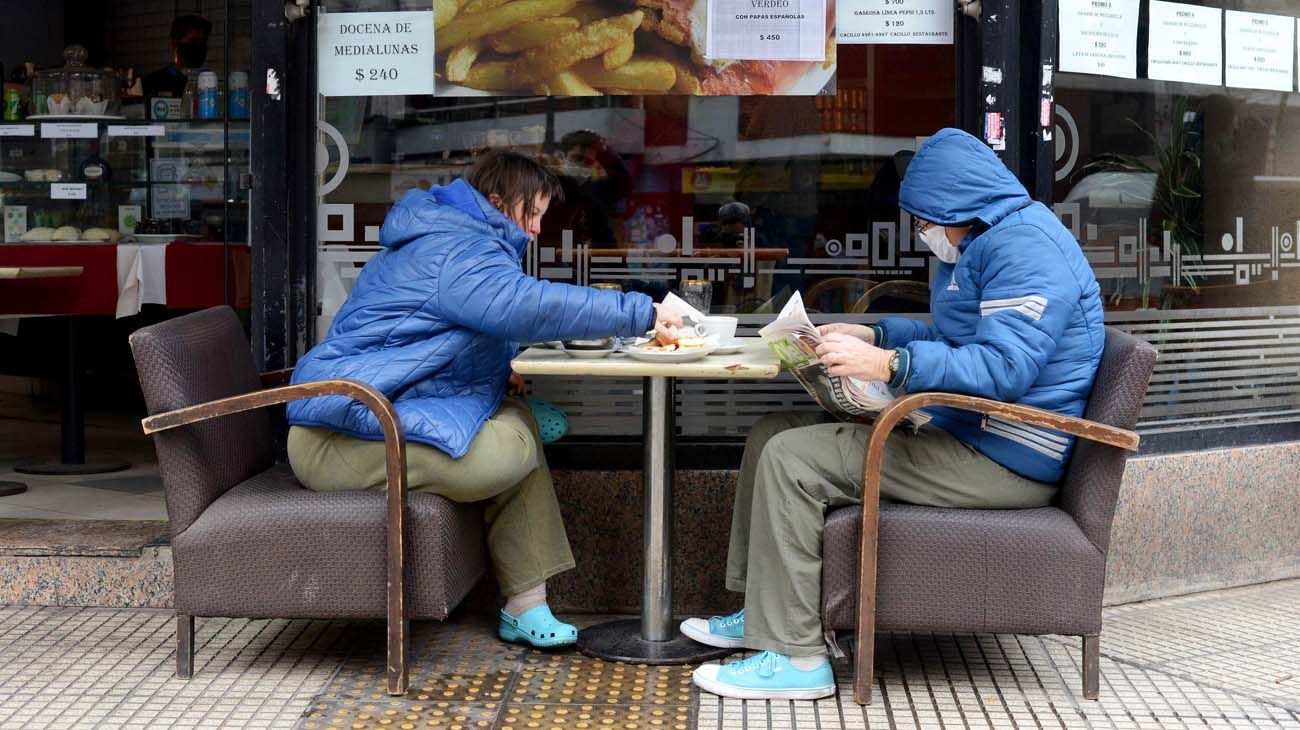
(762, 196)
(1184, 198)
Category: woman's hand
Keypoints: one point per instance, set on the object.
(516, 385)
(667, 325)
(860, 331)
(849, 356)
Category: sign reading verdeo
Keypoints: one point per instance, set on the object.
(895, 21)
(375, 54)
(766, 30)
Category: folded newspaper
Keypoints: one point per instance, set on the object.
(794, 339)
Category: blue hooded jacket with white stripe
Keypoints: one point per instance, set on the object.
(436, 316)
(1017, 319)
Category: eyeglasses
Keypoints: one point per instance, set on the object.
(919, 226)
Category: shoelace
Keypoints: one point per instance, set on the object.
(764, 663)
(732, 620)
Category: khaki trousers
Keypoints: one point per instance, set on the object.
(796, 467)
(505, 465)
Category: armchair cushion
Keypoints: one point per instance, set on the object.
(1016, 571)
(269, 547)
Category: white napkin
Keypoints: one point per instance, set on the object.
(153, 274)
(678, 306)
(129, 275)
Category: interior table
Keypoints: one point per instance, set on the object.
(654, 638)
(8, 488)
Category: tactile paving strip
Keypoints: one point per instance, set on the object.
(572, 678)
(398, 714)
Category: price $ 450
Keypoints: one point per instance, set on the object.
(375, 74)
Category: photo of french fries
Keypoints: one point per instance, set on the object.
(582, 48)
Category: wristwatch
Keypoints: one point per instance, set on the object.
(893, 365)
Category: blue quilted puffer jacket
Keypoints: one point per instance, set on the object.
(437, 315)
(1018, 318)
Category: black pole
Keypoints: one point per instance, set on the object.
(73, 426)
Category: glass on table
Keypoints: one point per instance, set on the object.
(698, 293)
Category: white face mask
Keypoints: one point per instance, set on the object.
(936, 237)
(580, 173)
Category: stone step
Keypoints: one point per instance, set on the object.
(98, 563)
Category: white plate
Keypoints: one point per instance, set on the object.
(76, 117)
(161, 237)
(691, 355)
(730, 348)
(587, 354)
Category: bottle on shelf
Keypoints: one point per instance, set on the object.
(207, 96)
(237, 95)
(95, 168)
(188, 98)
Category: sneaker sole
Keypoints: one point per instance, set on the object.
(744, 693)
(708, 639)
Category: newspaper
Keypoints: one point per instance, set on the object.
(794, 339)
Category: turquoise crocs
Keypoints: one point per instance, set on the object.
(552, 423)
(766, 676)
(537, 627)
(724, 632)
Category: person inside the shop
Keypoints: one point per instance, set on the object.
(729, 231)
(189, 38)
(1016, 317)
(433, 322)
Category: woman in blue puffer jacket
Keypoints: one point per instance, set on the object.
(433, 322)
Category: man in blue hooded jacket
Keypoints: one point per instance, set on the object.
(1016, 317)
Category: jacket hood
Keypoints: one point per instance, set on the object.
(455, 208)
(955, 178)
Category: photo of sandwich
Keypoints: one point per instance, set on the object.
(582, 48)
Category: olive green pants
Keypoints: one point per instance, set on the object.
(797, 466)
(505, 465)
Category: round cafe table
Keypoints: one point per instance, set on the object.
(654, 638)
(8, 488)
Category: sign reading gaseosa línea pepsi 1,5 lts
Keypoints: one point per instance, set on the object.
(375, 54)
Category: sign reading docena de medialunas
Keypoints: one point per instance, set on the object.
(375, 54)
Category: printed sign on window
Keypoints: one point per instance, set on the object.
(1186, 43)
(767, 30)
(895, 21)
(375, 54)
(1099, 37)
(1261, 50)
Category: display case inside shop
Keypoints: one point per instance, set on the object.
(66, 180)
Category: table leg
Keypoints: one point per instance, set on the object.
(654, 639)
(72, 427)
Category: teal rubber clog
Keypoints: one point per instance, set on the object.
(552, 423)
(537, 627)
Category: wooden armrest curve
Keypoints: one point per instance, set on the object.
(276, 377)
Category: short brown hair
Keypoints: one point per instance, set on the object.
(515, 177)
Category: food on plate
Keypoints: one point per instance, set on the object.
(659, 344)
(101, 234)
(576, 48)
(39, 234)
(66, 233)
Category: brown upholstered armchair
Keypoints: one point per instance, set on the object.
(248, 540)
(1036, 571)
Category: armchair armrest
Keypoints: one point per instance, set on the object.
(395, 453)
(874, 461)
(276, 377)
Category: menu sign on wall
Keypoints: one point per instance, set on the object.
(766, 30)
(1186, 43)
(895, 21)
(375, 54)
(1260, 50)
(1099, 37)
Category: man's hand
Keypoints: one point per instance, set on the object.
(860, 331)
(516, 385)
(849, 356)
(667, 325)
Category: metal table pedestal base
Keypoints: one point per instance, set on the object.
(620, 641)
(8, 489)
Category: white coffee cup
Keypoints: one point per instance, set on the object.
(722, 329)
